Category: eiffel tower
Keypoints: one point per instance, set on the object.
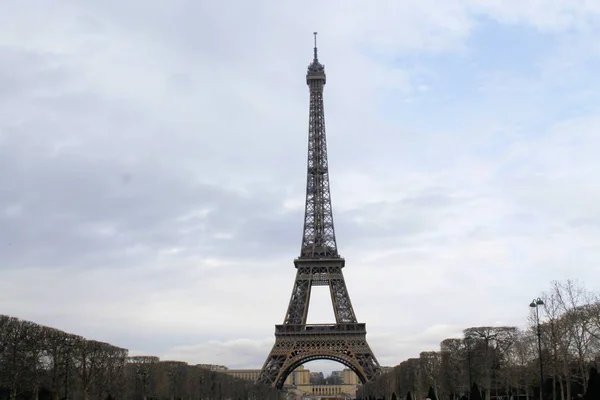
(319, 264)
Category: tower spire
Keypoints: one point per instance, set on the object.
(316, 59)
(316, 71)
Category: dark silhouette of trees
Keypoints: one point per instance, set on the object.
(593, 389)
(43, 363)
(503, 361)
(431, 394)
(475, 394)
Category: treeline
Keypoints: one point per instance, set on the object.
(504, 363)
(43, 363)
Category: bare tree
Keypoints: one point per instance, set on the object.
(34, 354)
(571, 297)
(429, 365)
(490, 346)
(518, 370)
(54, 350)
(454, 367)
(110, 381)
(141, 376)
(87, 356)
(13, 342)
(592, 308)
(505, 361)
(35, 358)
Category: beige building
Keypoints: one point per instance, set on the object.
(350, 378)
(299, 379)
(329, 390)
(250, 375)
(300, 376)
(349, 385)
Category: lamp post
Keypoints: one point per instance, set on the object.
(536, 303)
(468, 342)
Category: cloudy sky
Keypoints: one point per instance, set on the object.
(153, 160)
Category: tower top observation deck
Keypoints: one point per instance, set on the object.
(316, 70)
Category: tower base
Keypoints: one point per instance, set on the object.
(298, 344)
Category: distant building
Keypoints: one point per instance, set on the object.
(250, 375)
(299, 376)
(317, 378)
(302, 380)
(213, 367)
(345, 382)
(349, 377)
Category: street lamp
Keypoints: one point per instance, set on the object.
(536, 303)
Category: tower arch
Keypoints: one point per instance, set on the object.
(327, 355)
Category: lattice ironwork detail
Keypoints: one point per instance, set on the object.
(318, 239)
(319, 272)
(319, 264)
(292, 349)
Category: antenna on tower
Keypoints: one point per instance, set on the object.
(315, 35)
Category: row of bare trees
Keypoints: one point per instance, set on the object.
(504, 361)
(43, 363)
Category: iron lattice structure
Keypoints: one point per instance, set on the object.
(319, 264)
